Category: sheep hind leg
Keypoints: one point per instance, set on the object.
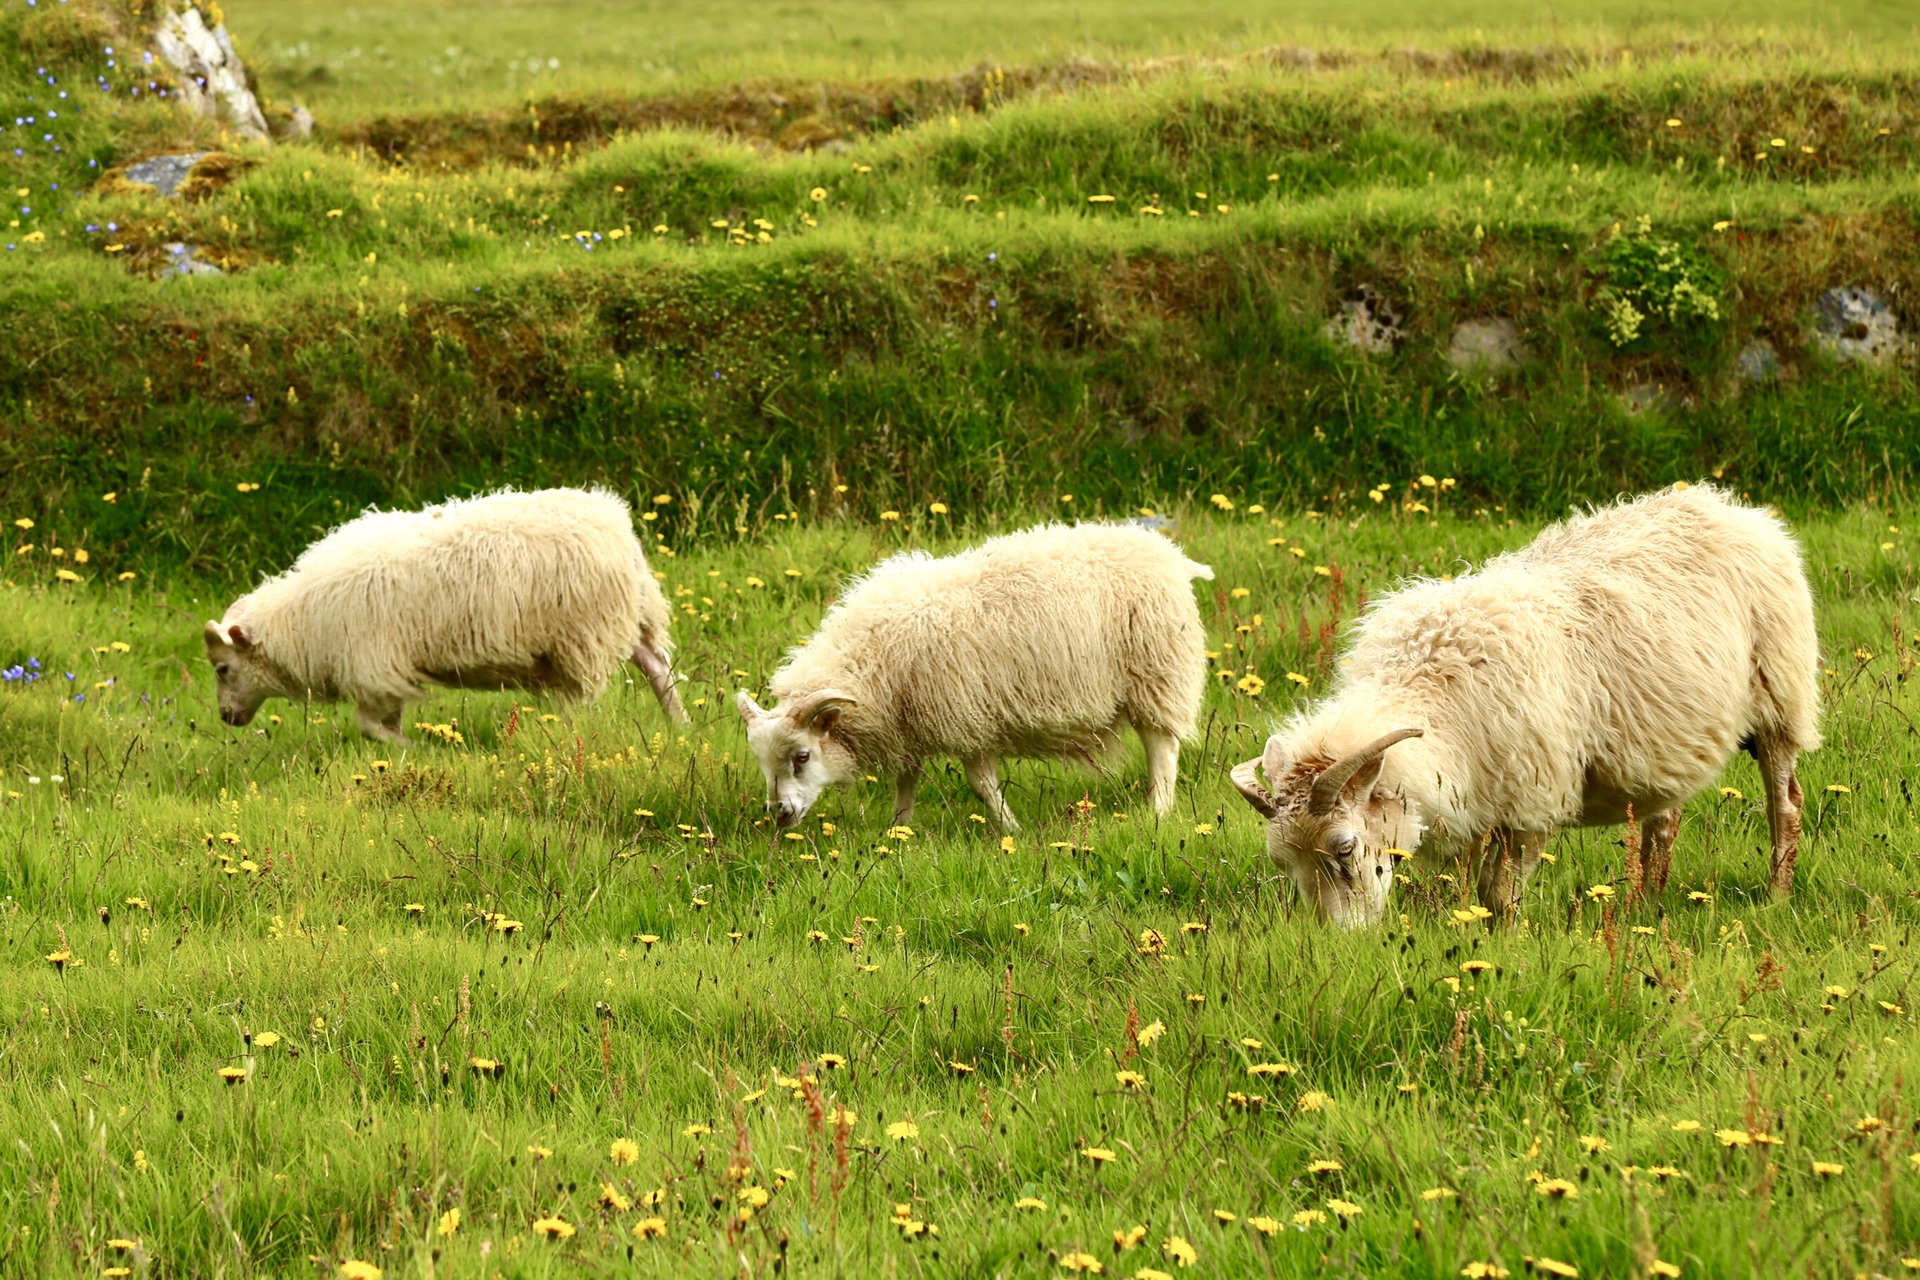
(379, 719)
(983, 776)
(1163, 766)
(659, 673)
(1784, 804)
(1661, 831)
(1509, 861)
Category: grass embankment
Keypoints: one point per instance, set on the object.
(1708, 1079)
(945, 312)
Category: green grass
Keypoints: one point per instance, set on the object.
(352, 1135)
(349, 61)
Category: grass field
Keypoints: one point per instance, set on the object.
(543, 994)
(1710, 1079)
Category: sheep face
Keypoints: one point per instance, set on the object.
(1331, 827)
(245, 679)
(798, 750)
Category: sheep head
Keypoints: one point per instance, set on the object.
(245, 679)
(798, 749)
(1330, 826)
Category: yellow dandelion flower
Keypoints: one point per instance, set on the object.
(649, 1228)
(449, 1222)
(1182, 1253)
(903, 1130)
(553, 1228)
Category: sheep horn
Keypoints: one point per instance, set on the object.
(1246, 777)
(1328, 786)
(803, 713)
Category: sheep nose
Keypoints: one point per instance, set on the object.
(787, 817)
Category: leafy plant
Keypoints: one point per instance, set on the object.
(1657, 282)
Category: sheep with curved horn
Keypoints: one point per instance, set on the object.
(1609, 669)
(1041, 643)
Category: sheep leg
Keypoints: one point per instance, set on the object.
(903, 795)
(1660, 832)
(379, 718)
(1163, 766)
(984, 777)
(1510, 860)
(1784, 803)
(653, 664)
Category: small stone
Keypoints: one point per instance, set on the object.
(300, 123)
(1367, 322)
(183, 260)
(1757, 363)
(1649, 397)
(212, 80)
(164, 173)
(1158, 523)
(1486, 346)
(1856, 325)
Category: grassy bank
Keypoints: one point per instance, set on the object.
(1592, 1097)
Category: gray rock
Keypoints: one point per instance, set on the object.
(165, 173)
(1158, 523)
(1366, 322)
(213, 81)
(1857, 326)
(183, 260)
(1486, 346)
(1757, 363)
(300, 123)
(1649, 397)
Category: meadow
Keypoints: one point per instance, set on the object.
(544, 993)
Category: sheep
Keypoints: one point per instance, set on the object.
(1604, 673)
(1038, 643)
(546, 590)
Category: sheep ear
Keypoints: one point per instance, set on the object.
(212, 634)
(1276, 760)
(819, 711)
(1246, 779)
(749, 709)
(238, 637)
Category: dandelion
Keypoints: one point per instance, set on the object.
(1733, 1137)
(1315, 1101)
(266, 1039)
(1270, 1069)
(611, 1198)
(1592, 1143)
(1476, 966)
(1152, 942)
(1554, 1267)
(1664, 1171)
(1557, 1189)
(1030, 1203)
(1251, 685)
(1867, 1124)
(58, 959)
(648, 1228)
(624, 1151)
(1098, 1155)
(1686, 1126)
(1296, 678)
(937, 508)
(1345, 1208)
(1264, 1225)
(553, 1228)
(817, 195)
(1467, 915)
(1600, 892)
(1661, 1267)
(415, 908)
(1078, 1261)
(354, 1269)
(903, 1130)
(449, 1222)
(1839, 788)
(1308, 1218)
(1129, 1238)
(1484, 1271)
(1698, 896)
(1182, 1253)
(1203, 829)
(1891, 1007)
(232, 1075)
(1151, 1032)
(1432, 1194)
(1827, 1169)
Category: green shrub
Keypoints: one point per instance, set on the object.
(1656, 287)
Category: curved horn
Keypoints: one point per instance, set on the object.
(805, 710)
(1246, 778)
(1328, 786)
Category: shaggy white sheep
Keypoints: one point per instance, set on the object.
(545, 590)
(1614, 664)
(1039, 643)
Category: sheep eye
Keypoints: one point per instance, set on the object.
(1343, 847)
(800, 758)
(220, 669)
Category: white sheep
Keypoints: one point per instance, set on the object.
(1613, 665)
(545, 591)
(1040, 643)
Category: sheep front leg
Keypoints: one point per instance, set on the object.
(903, 795)
(1784, 804)
(1661, 831)
(653, 664)
(983, 776)
(1163, 766)
(1510, 859)
(379, 718)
